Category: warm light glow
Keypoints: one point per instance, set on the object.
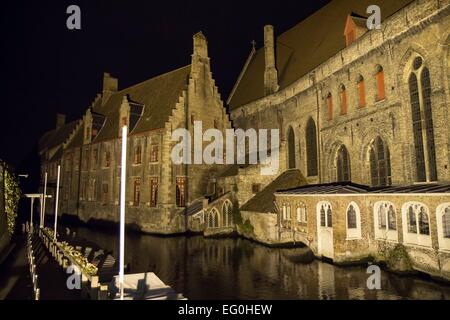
(122, 209)
(57, 203)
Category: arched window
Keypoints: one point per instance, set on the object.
(361, 92)
(380, 163)
(353, 222)
(343, 165)
(301, 214)
(351, 218)
(138, 155)
(446, 223)
(343, 96)
(330, 106)
(385, 221)
(288, 213)
(323, 217)
(311, 148)
(381, 95)
(291, 148)
(226, 213)
(443, 226)
(422, 119)
(329, 217)
(417, 227)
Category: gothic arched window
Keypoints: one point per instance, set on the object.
(422, 120)
(343, 96)
(361, 92)
(291, 148)
(380, 163)
(351, 218)
(381, 95)
(311, 148)
(343, 165)
(330, 107)
(446, 222)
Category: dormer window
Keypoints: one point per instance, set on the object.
(355, 27)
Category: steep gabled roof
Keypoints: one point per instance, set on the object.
(159, 96)
(56, 137)
(306, 46)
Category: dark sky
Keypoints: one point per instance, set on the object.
(46, 68)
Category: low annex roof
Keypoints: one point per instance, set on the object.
(352, 188)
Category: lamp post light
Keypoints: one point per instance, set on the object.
(122, 210)
(57, 203)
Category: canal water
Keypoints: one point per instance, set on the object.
(239, 269)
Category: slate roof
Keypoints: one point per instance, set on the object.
(158, 95)
(306, 46)
(56, 137)
(352, 188)
(264, 201)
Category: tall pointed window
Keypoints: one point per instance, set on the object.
(181, 192)
(138, 155)
(153, 192)
(343, 165)
(311, 148)
(446, 222)
(381, 94)
(422, 120)
(330, 106)
(380, 163)
(343, 97)
(291, 148)
(361, 92)
(137, 192)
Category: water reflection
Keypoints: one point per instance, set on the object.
(238, 269)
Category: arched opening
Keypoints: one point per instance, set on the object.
(343, 96)
(343, 165)
(416, 230)
(385, 219)
(291, 148)
(381, 94)
(380, 163)
(353, 222)
(443, 226)
(311, 148)
(422, 120)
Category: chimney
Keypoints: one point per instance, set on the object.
(110, 86)
(60, 120)
(270, 72)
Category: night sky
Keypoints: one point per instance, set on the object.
(46, 68)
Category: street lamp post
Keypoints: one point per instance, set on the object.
(57, 203)
(122, 210)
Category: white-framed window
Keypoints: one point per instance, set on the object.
(385, 221)
(353, 221)
(284, 211)
(443, 226)
(302, 216)
(416, 224)
(288, 214)
(325, 214)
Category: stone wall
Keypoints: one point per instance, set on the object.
(420, 29)
(431, 258)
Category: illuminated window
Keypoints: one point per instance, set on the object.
(154, 153)
(381, 95)
(138, 155)
(137, 192)
(181, 192)
(361, 92)
(422, 120)
(380, 163)
(343, 95)
(311, 148)
(343, 165)
(153, 192)
(330, 106)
